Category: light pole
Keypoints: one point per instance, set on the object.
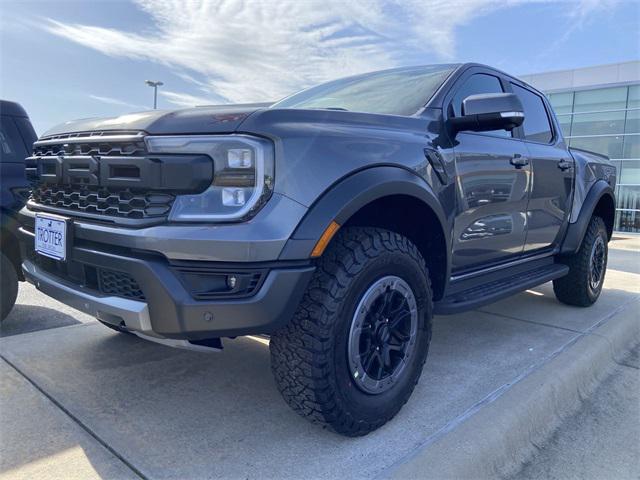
(155, 85)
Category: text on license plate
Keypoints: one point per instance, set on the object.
(51, 237)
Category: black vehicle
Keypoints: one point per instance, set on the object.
(338, 221)
(16, 140)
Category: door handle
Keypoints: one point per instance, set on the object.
(565, 164)
(519, 161)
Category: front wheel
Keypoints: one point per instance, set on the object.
(582, 285)
(354, 351)
(9, 283)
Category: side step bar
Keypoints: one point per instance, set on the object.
(485, 293)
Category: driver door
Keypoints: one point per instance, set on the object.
(491, 192)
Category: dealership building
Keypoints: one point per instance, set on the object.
(599, 110)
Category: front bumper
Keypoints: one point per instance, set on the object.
(168, 309)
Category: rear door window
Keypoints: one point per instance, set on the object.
(537, 127)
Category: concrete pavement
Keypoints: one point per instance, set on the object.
(602, 440)
(40, 441)
(157, 412)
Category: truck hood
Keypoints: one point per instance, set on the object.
(219, 119)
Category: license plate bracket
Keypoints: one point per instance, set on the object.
(52, 236)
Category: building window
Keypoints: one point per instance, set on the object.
(600, 99)
(631, 146)
(632, 124)
(629, 172)
(607, 121)
(611, 146)
(562, 102)
(565, 124)
(598, 123)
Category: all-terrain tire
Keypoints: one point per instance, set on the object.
(8, 286)
(309, 357)
(575, 288)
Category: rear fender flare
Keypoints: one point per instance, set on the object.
(576, 231)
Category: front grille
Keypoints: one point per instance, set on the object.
(112, 177)
(118, 148)
(119, 284)
(91, 199)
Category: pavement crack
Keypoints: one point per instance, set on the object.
(542, 324)
(79, 422)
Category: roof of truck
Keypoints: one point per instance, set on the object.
(12, 108)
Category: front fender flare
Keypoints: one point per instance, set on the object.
(349, 195)
(576, 231)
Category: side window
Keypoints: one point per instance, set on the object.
(11, 147)
(475, 84)
(536, 121)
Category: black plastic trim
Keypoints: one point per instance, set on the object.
(176, 173)
(576, 231)
(351, 194)
(176, 314)
(483, 291)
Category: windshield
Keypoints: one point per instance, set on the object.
(402, 91)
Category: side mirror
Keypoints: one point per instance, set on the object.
(489, 111)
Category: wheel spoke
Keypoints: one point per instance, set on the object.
(398, 308)
(368, 363)
(386, 356)
(395, 348)
(398, 319)
(380, 365)
(386, 297)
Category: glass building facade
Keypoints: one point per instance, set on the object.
(603, 115)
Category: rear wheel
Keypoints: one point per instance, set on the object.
(9, 284)
(354, 351)
(587, 267)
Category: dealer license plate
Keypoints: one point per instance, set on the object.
(51, 236)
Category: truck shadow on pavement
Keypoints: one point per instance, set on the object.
(32, 318)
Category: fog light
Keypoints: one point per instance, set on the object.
(232, 281)
(233, 197)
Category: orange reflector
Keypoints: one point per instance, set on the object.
(324, 240)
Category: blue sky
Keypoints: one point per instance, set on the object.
(74, 59)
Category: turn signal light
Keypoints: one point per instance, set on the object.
(324, 240)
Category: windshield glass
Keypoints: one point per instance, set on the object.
(402, 91)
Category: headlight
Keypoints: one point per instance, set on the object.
(242, 176)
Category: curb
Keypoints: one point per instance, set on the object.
(505, 431)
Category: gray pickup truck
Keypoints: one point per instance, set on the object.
(337, 221)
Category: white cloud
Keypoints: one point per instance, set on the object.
(185, 99)
(258, 50)
(117, 102)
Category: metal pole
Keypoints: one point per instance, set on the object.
(155, 85)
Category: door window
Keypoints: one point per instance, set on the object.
(477, 84)
(536, 121)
